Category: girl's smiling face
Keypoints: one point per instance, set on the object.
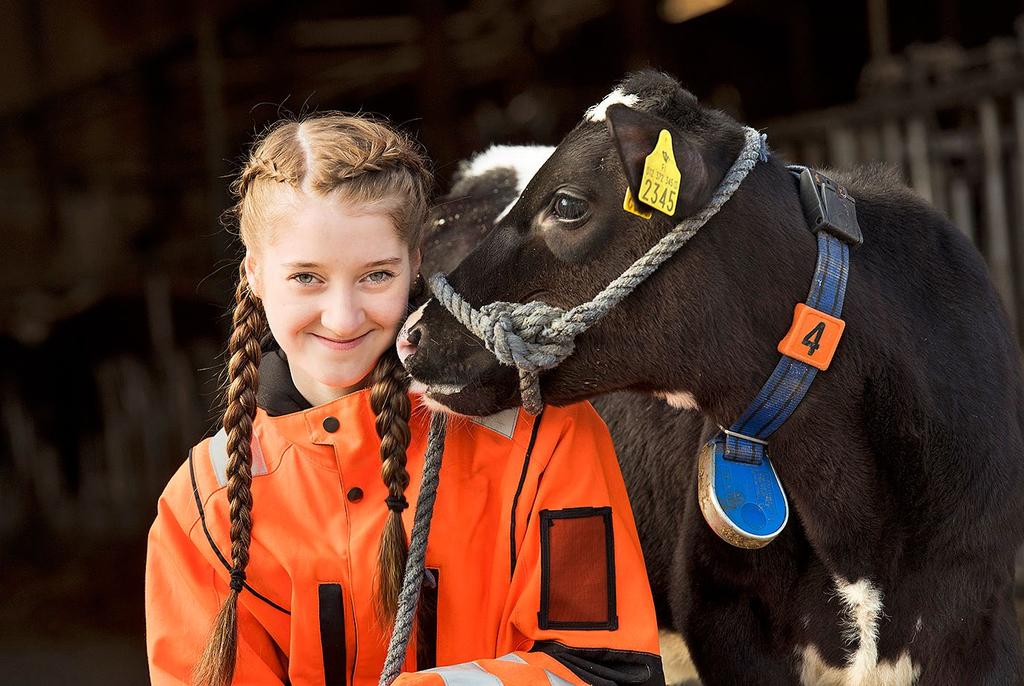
(334, 280)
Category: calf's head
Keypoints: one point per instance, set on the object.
(568, 236)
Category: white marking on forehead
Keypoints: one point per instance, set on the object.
(598, 111)
(681, 400)
(524, 160)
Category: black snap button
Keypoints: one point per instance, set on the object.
(355, 494)
(331, 424)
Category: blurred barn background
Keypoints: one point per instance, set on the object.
(122, 123)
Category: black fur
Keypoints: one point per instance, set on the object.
(903, 465)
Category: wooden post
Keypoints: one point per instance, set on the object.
(917, 155)
(435, 83)
(39, 126)
(214, 119)
(996, 225)
(814, 153)
(892, 144)
(878, 28)
(1018, 228)
(960, 207)
(842, 148)
(871, 145)
(937, 172)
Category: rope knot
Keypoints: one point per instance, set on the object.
(524, 335)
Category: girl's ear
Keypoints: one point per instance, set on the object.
(252, 275)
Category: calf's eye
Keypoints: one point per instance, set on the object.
(569, 208)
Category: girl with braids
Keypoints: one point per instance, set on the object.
(279, 547)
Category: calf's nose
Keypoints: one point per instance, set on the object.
(414, 335)
(410, 335)
(408, 341)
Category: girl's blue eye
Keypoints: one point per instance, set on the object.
(379, 277)
(305, 279)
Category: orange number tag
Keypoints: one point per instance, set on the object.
(813, 338)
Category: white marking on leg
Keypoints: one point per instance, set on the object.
(675, 658)
(862, 605)
(815, 671)
(681, 400)
(599, 111)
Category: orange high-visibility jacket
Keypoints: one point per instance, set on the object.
(536, 576)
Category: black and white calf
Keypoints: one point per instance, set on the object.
(903, 465)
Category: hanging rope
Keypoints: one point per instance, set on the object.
(412, 580)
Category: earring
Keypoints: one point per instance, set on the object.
(419, 286)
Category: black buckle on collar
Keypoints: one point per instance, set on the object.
(827, 205)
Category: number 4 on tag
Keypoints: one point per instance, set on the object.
(813, 337)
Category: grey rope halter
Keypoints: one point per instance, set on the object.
(533, 337)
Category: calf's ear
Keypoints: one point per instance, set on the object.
(635, 135)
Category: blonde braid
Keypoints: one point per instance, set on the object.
(216, 667)
(258, 167)
(390, 405)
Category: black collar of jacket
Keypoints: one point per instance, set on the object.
(277, 394)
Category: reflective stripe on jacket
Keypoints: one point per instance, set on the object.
(536, 573)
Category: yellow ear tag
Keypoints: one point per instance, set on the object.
(630, 206)
(659, 186)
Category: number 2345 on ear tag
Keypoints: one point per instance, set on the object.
(659, 186)
(813, 337)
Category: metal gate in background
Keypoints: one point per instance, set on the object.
(952, 120)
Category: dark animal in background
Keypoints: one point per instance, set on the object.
(904, 465)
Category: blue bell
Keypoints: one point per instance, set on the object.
(741, 497)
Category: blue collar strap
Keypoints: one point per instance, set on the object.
(740, 494)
